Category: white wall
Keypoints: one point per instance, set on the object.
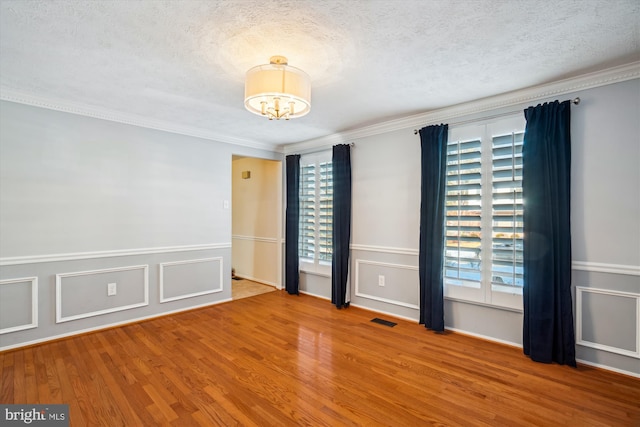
(72, 184)
(605, 215)
(605, 229)
(605, 191)
(85, 202)
(257, 219)
(124, 204)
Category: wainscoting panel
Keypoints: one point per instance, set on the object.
(396, 278)
(18, 304)
(84, 293)
(608, 320)
(72, 290)
(190, 278)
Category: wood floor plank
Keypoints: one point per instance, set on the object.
(277, 359)
(160, 404)
(42, 383)
(68, 394)
(19, 391)
(107, 399)
(31, 381)
(6, 387)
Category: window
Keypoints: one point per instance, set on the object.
(483, 224)
(316, 210)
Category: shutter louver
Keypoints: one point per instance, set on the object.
(325, 230)
(463, 214)
(316, 212)
(507, 220)
(307, 245)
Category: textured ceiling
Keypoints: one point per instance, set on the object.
(183, 62)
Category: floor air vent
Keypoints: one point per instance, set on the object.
(384, 322)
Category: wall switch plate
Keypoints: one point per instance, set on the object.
(381, 280)
(225, 204)
(111, 289)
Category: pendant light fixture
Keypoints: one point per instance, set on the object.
(277, 90)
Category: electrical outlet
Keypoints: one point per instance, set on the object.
(111, 289)
(381, 280)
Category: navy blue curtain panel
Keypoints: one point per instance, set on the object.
(546, 165)
(341, 224)
(433, 140)
(292, 218)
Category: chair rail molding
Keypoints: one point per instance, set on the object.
(256, 238)
(629, 270)
(34, 259)
(384, 249)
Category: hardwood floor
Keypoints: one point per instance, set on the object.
(281, 360)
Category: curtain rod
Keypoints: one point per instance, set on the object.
(574, 101)
(324, 148)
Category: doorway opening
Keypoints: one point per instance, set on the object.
(256, 225)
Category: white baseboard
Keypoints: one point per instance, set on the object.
(608, 368)
(386, 313)
(109, 326)
(311, 294)
(484, 337)
(254, 279)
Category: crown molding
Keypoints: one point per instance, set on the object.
(12, 95)
(510, 99)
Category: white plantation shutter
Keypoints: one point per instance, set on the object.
(325, 229)
(507, 223)
(463, 214)
(483, 259)
(307, 246)
(316, 212)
